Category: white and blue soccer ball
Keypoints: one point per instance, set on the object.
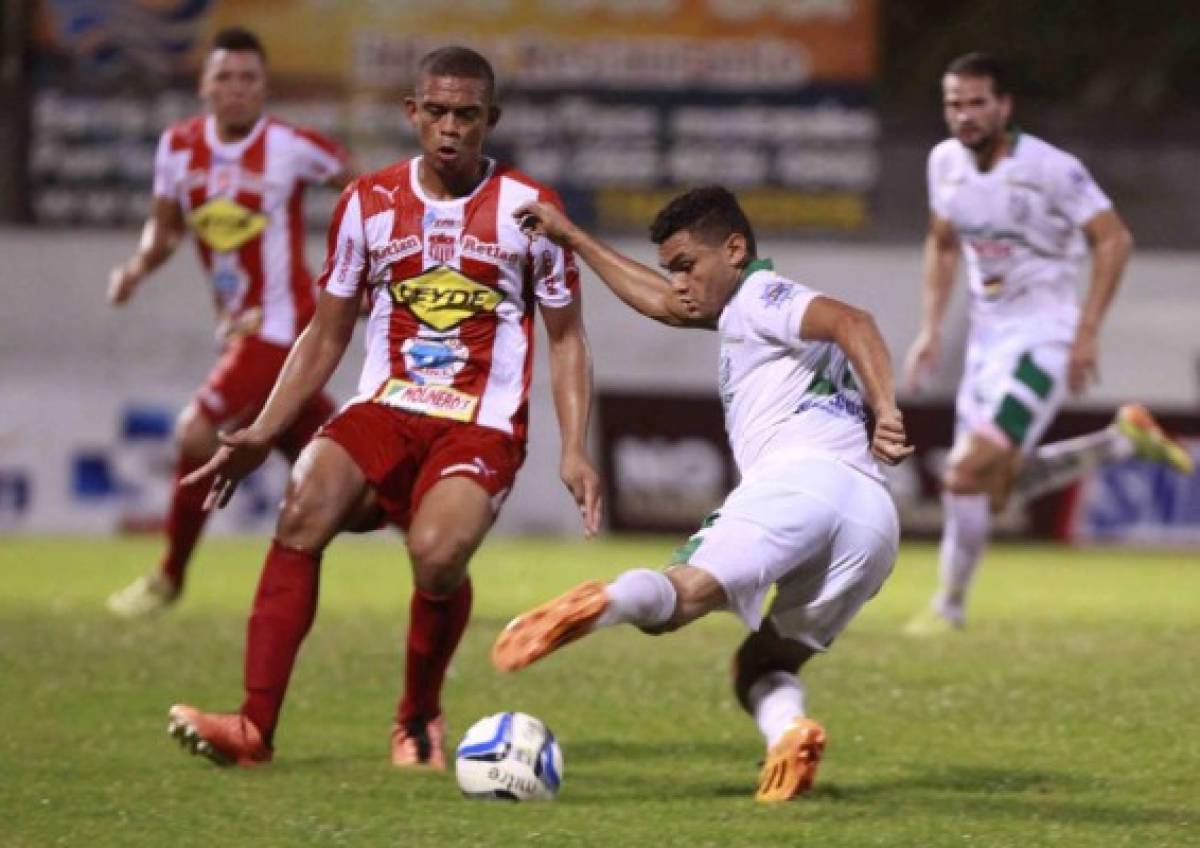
(512, 756)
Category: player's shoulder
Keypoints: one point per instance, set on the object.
(764, 288)
(294, 132)
(185, 132)
(504, 171)
(947, 150)
(383, 188)
(1044, 160)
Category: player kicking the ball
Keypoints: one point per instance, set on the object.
(798, 373)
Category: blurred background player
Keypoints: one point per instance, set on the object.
(811, 516)
(236, 176)
(1022, 211)
(437, 434)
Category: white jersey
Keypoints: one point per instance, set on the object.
(1019, 224)
(785, 397)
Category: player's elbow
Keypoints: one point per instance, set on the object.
(853, 324)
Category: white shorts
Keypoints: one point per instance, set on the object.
(1011, 390)
(823, 533)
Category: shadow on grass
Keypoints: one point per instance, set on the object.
(949, 790)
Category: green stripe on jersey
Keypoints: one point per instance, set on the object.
(684, 552)
(1014, 418)
(1039, 382)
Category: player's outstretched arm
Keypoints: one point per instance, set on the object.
(854, 331)
(571, 384)
(161, 234)
(307, 369)
(1111, 244)
(940, 259)
(642, 288)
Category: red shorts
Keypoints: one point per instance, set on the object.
(238, 386)
(403, 454)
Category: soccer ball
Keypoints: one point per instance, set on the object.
(511, 756)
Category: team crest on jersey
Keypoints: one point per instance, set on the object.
(441, 246)
(777, 293)
(225, 225)
(442, 298)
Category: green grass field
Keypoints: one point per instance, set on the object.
(1065, 715)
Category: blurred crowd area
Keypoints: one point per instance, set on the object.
(818, 112)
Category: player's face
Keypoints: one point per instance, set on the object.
(452, 117)
(702, 274)
(234, 85)
(975, 114)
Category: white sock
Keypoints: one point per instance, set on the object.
(776, 699)
(1058, 464)
(641, 597)
(964, 537)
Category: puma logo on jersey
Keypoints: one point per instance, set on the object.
(390, 193)
(475, 466)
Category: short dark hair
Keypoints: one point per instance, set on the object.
(239, 38)
(981, 65)
(457, 61)
(711, 213)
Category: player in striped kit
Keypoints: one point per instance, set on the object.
(435, 438)
(236, 177)
(1021, 211)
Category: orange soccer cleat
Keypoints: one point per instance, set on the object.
(420, 744)
(532, 635)
(224, 738)
(791, 762)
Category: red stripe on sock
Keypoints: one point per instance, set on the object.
(435, 626)
(284, 608)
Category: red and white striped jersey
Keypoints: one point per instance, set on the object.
(454, 285)
(244, 202)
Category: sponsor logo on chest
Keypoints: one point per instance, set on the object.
(443, 298)
(223, 224)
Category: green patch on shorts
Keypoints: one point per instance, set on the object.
(684, 552)
(1014, 418)
(1029, 373)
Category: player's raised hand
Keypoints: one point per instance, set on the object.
(540, 218)
(122, 280)
(1082, 368)
(239, 454)
(889, 442)
(583, 483)
(922, 360)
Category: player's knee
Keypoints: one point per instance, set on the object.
(195, 434)
(438, 558)
(303, 517)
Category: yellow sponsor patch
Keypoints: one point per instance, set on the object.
(224, 224)
(443, 298)
(438, 401)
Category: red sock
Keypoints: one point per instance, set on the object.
(435, 626)
(185, 520)
(284, 608)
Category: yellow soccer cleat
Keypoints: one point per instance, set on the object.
(1134, 422)
(145, 596)
(534, 634)
(791, 762)
(929, 623)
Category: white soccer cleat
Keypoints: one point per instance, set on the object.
(147, 595)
